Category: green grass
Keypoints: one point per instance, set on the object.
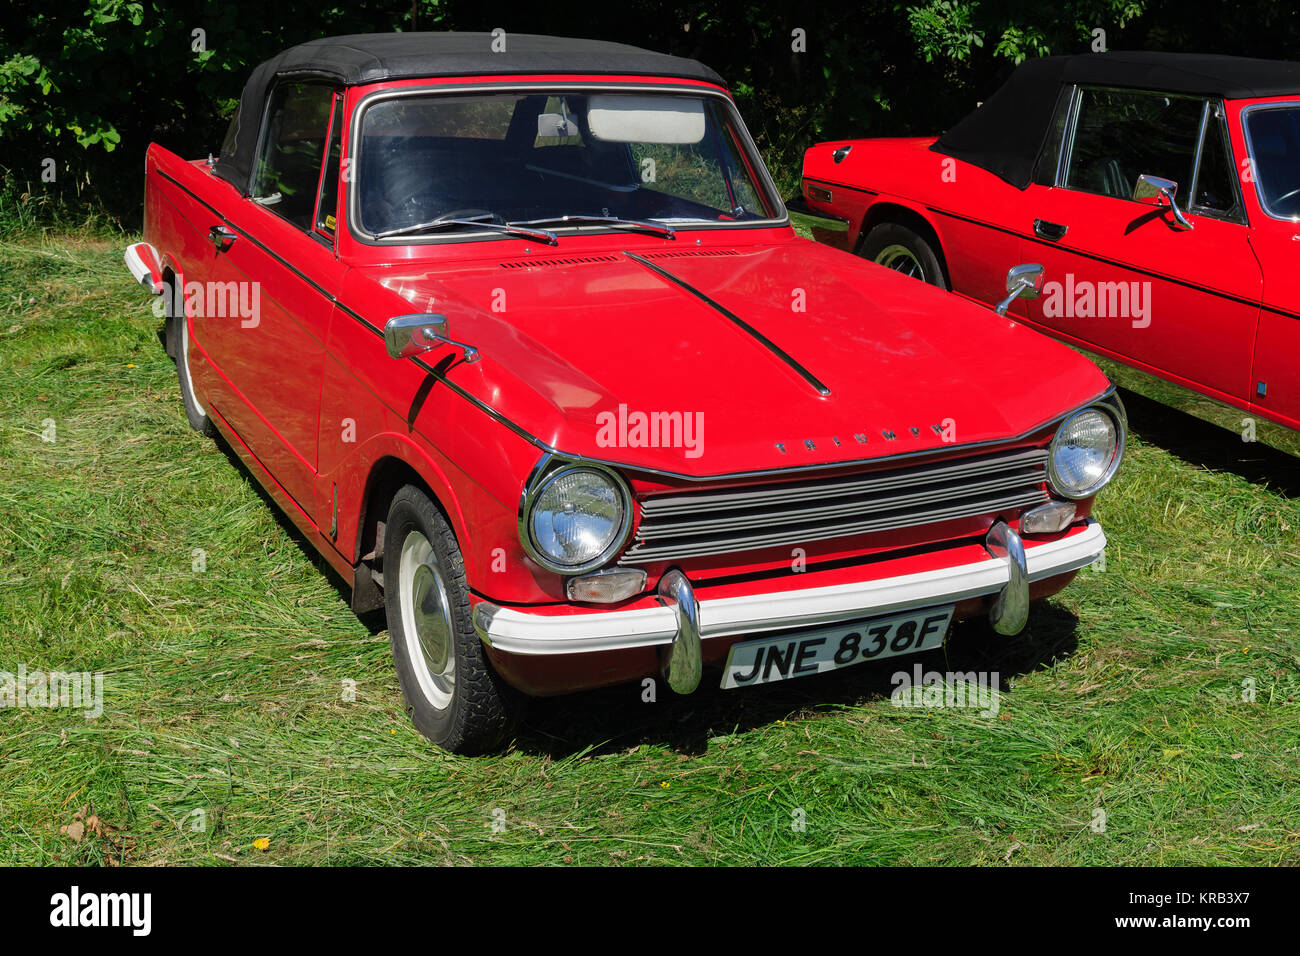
(223, 687)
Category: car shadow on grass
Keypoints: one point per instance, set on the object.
(616, 719)
(373, 621)
(1205, 444)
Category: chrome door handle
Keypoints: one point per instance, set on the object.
(222, 237)
(1050, 230)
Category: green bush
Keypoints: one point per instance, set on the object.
(84, 90)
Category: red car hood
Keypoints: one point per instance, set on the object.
(579, 350)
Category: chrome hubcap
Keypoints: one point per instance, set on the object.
(426, 620)
(901, 259)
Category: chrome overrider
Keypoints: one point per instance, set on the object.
(1010, 611)
(683, 660)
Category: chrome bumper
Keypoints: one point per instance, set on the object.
(682, 622)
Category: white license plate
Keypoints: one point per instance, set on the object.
(830, 648)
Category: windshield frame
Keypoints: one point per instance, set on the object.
(745, 142)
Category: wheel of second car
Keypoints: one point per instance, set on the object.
(897, 247)
(453, 696)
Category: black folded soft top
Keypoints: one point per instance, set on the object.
(373, 57)
(1007, 133)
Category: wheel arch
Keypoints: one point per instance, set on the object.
(173, 293)
(886, 211)
(387, 475)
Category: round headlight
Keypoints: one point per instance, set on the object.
(577, 518)
(1085, 453)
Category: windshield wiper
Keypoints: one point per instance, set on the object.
(518, 230)
(658, 228)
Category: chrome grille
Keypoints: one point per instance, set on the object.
(698, 524)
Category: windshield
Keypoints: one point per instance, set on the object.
(538, 157)
(1274, 135)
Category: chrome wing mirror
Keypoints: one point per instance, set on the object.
(409, 335)
(1150, 190)
(1024, 281)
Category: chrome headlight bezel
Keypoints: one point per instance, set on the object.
(1116, 417)
(547, 472)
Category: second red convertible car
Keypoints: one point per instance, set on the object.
(1161, 192)
(517, 332)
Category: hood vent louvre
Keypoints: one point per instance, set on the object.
(688, 253)
(568, 261)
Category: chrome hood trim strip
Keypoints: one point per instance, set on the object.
(740, 323)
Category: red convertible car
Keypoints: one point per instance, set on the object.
(517, 332)
(1160, 191)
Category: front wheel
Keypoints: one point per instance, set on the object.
(452, 694)
(896, 247)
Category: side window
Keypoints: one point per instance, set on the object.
(329, 184)
(1215, 189)
(1121, 134)
(291, 151)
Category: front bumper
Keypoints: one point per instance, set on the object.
(681, 623)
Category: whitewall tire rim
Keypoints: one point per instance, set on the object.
(426, 620)
(185, 357)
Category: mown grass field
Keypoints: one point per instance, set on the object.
(223, 687)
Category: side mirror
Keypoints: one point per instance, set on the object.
(409, 335)
(1024, 281)
(1150, 190)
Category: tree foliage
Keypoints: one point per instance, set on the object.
(91, 84)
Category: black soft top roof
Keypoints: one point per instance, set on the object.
(372, 57)
(1006, 134)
